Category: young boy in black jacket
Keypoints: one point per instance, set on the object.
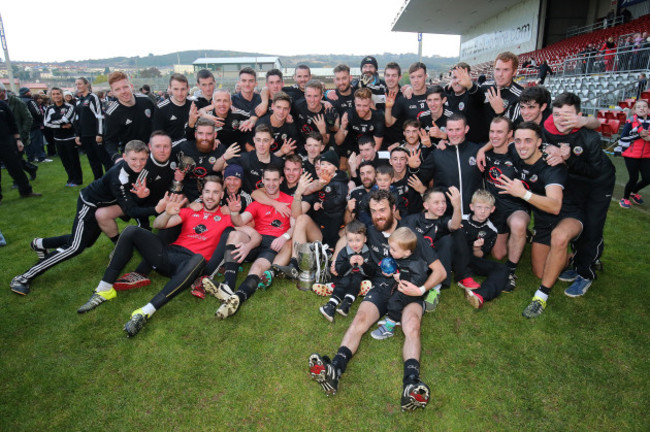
(481, 235)
(353, 266)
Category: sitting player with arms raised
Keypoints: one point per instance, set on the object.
(182, 261)
(275, 229)
(322, 209)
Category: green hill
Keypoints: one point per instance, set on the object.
(312, 60)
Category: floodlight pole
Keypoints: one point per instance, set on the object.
(10, 71)
(420, 47)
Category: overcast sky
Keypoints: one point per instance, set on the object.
(51, 31)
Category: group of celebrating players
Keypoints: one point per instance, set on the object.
(405, 185)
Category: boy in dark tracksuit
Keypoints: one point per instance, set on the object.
(353, 265)
(113, 188)
(481, 235)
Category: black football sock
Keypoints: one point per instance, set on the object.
(341, 359)
(411, 371)
(231, 267)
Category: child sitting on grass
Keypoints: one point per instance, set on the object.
(410, 267)
(481, 235)
(353, 265)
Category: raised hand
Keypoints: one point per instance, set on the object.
(288, 147)
(140, 189)
(414, 160)
(232, 151)
(174, 204)
(454, 196)
(390, 98)
(496, 102)
(234, 203)
(512, 187)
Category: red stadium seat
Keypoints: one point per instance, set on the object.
(609, 115)
(645, 95)
(559, 51)
(621, 117)
(606, 130)
(614, 125)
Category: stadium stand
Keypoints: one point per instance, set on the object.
(556, 54)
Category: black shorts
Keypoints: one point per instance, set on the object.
(571, 209)
(263, 250)
(398, 302)
(330, 228)
(380, 294)
(500, 217)
(542, 232)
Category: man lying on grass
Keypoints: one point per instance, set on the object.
(183, 260)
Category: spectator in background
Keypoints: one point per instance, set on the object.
(625, 53)
(544, 69)
(58, 119)
(607, 50)
(69, 98)
(627, 15)
(43, 101)
(10, 146)
(634, 140)
(24, 122)
(89, 127)
(35, 150)
(146, 90)
(643, 82)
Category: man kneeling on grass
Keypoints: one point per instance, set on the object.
(183, 260)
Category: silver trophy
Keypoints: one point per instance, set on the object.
(185, 165)
(307, 266)
(313, 262)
